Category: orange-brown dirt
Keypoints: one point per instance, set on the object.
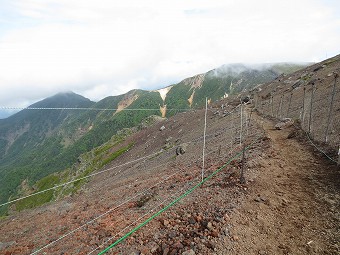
(288, 205)
(293, 205)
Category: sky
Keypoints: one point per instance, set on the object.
(108, 47)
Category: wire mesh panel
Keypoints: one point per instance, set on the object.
(314, 103)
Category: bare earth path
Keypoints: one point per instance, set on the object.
(292, 206)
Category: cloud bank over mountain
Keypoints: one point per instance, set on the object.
(107, 48)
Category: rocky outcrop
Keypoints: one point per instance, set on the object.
(181, 149)
(195, 82)
(127, 100)
(162, 109)
(191, 98)
(163, 92)
(284, 123)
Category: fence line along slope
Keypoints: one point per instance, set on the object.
(105, 191)
(310, 97)
(292, 206)
(288, 204)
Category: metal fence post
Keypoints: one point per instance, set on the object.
(204, 132)
(256, 100)
(310, 111)
(339, 157)
(278, 110)
(241, 124)
(242, 179)
(281, 101)
(289, 104)
(271, 101)
(330, 107)
(303, 107)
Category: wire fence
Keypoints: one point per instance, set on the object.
(221, 143)
(234, 142)
(315, 106)
(91, 109)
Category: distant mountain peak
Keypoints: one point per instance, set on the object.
(69, 92)
(64, 99)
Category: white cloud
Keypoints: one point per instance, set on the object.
(109, 47)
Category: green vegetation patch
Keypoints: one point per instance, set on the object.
(100, 157)
(37, 200)
(102, 149)
(116, 154)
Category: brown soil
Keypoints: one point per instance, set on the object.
(293, 205)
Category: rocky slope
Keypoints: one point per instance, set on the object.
(309, 96)
(37, 143)
(289, 203)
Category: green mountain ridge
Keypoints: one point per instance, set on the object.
(37, 143)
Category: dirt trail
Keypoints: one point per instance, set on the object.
(293, 205)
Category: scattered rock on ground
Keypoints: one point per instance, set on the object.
(181, 149)
(284, 123)
(189, 252)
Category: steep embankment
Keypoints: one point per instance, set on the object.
(310, 96)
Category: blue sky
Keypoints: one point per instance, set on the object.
(107, 47)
